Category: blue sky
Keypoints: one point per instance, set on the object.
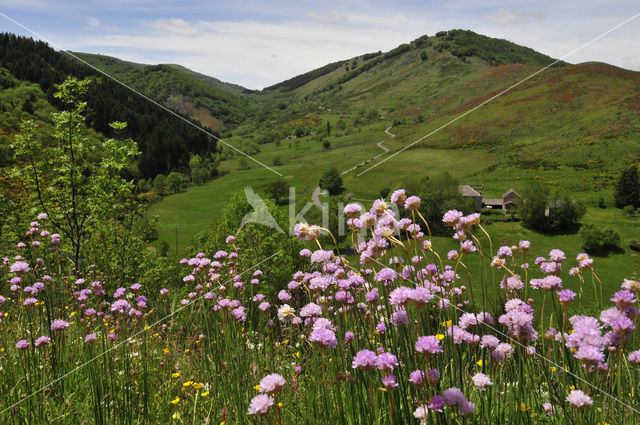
(259, 43)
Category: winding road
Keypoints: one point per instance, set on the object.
(379, 144)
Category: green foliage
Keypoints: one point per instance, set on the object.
(627, 190)
(596, 239)
(331, 181)
(159, 183)
(539, 211)
(85, 197)
(326, 145)
(164, 141)
(423, 56)
(278, 190)
(463, 43)
(175, 181)
(634, 244)
(258, 242)
(438, 195)
(301, 80)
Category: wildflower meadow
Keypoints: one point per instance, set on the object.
(394, 332)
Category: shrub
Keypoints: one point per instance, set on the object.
(627, 191)
(331, 181)
(595, 239)
(634, 244)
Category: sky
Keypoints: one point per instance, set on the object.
(258, 43)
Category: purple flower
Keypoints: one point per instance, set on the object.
(22, 344)
(364, 359)
(453, 396)
(353, 210)
(634, 357)
(349, 336)
(310, 310)
(119, 293)
(623, 299)
(90, 338)
(29, 302)
(412, 203)
(557, 256)
(579, 399)
(481, 381)
(324, 337)
(389, 381)
(121, 306)
(272, 383)
(19, 267)
(437, 403)
(43, 340)
(386, 276)
(386, 362)
(59, 325)
(566, 296)
(260, 404)
(548, 408)
(428, 345)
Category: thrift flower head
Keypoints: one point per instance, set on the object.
(43, 340)
(428, 345)
(272, 383)
(260, 404)
(579, 399)
(364, 359)
(59, 325)
(386, 362)
(481, 381)
(324, 337)
(22, 344)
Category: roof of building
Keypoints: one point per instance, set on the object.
(509, 192)
(489, 201)
(468, 191)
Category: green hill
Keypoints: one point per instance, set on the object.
(213, 103)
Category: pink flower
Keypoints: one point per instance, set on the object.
(260, 404)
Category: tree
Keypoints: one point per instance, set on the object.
(331, 181)
(540, 211)
(159, 183)
(175, 181)
(438, 195)
(627, 191)
(594, 239)
(326, 145)
(84, 197)
(328, 128)
(533, 204)
(423, 56)
(278, 190)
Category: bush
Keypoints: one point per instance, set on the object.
(331, 181)
(634, 245)
(595, 239)
(539, 211)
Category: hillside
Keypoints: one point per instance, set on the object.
(572, 126)
(211, 102)
(166, 143)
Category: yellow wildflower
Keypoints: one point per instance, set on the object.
(256, 387)
(175, 374)
(187, 384)
(479, 362)
(175, 400)
(204, 394)
(197, 385)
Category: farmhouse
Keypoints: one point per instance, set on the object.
(507, 203)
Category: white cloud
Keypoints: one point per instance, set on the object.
(252, 53)
(93, 22)
(504, 16)
(177, 26)
(332, 17)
